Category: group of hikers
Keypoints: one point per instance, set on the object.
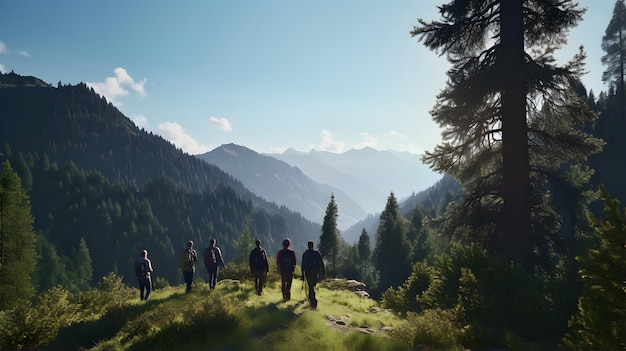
(313, 269)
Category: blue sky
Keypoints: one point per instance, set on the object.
(326, 74)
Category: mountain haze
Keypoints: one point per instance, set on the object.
(366, 175)
(285, 185)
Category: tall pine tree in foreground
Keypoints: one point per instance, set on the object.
(510, 119)
(329, 239)
(17, 240)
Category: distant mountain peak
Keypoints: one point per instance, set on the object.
(292, 151)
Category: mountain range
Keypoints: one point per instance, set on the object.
(304, 182)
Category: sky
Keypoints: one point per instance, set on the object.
(265, 74)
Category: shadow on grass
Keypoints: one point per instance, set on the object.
(87, 334)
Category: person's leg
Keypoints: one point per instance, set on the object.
(288, 285)
(148, 288)
(142, 288)
(311, 281)
(213, 278)
(257, 281)
(261, 281)
(188, 276)
(283, 284)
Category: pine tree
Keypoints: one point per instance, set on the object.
(391, 253)
(329, 239)
(498, 111)
(17, 240)
(614, 46)
(599, 324)
(83, 266)
(242, 246)
(365, 250)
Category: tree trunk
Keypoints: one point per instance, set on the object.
(516, 239)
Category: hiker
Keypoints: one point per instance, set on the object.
(258, 266)
(213, 259)
(188, 260)
(143, 267)
(313, 270)
(286, 262)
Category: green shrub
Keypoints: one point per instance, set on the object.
(28, 327)
(110, 292)
(160, 283)
(159, 329)
(435, 328)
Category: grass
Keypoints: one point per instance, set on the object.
(233, 317)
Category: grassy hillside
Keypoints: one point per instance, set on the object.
(231, 317)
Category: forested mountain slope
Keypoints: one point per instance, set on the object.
(102, 189)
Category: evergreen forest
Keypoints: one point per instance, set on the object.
(520, 246)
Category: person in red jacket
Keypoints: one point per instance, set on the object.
(286, 263)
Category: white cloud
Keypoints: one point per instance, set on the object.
(175, 133)
(3, 48)
(115, 87)
(2, 70)
(222, 124)
(140, 120)
(329, 144)
(393, 133)
(24, 53)
(367, 140)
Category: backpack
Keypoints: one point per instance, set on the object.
(186, 261)
(210, 259)
(312, 261)
(140, 269)
(316, 262)
(286, 261)
(257, 259)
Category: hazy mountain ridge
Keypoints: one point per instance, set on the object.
(283, 184)
(366, 175)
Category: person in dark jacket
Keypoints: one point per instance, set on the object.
(313, 270)
(286, 262)
(213, 259)
(143, 268)
(259, 266)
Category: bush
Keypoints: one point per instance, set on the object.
(435, 328)
(28, 327)
(160, 283)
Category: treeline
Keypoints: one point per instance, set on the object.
(88, 226)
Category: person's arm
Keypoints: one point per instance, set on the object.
(250, 259)
(220, 259)
(149, 265)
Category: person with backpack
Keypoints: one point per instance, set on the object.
(286, 262)
(213, 259)
(258, 266)
(188, 260)
(313, 270)
(143, 268)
